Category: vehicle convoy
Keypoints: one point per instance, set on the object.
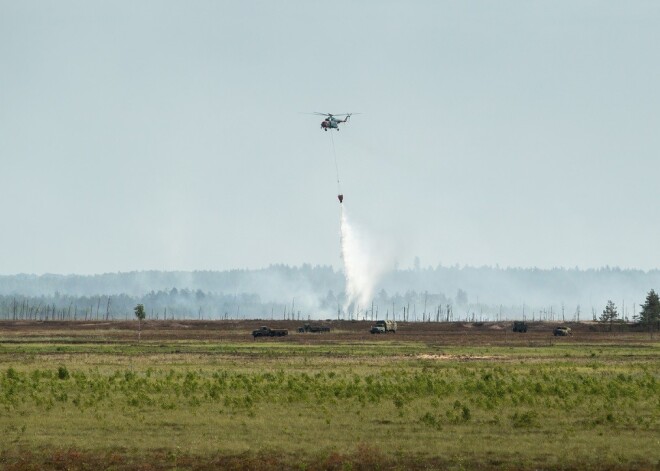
(562, 331)
(313, 328)
(384, 327)
(264, 331)
(519, 326)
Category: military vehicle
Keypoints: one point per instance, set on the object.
(264, 331)
(383, 327)
(519, 326)
(313, 328)
(562, 331)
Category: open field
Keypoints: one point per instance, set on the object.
(205, 395)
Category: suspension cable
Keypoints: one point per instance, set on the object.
(334, 152)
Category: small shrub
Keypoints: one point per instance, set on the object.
(527, 419)
(466, 414)
(431, 420)
(63, 373)
(12, 374)
(398, 402)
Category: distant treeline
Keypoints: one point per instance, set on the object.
(280, 291)
(171, 304)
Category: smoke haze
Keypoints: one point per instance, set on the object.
(321, 292)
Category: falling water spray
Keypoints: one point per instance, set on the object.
(362, 265)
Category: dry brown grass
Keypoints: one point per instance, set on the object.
(363, 458)
(446, 333)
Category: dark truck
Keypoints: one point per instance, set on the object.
(519, 326)
(268, 332)
(313, 328)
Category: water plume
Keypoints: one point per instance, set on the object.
(363, 266)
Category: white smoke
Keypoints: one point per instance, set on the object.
(364, 264)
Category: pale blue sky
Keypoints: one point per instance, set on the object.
(171, 135)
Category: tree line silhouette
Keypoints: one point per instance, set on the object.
(441, 293)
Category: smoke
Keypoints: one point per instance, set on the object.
(364, 264)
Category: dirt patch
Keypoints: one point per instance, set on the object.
(433, 333)
(425, 356)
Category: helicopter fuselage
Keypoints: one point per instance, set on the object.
(332, 123)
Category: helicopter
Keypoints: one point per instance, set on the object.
(331, 121)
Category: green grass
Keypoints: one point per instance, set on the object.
(401, 404)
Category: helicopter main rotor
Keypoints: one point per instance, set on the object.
(331, 115)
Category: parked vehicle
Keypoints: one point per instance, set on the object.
(562, 331)
(383, 327)
(264, 331)
(519, 326)
(313, 328)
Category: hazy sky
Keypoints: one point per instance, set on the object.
(172, 134)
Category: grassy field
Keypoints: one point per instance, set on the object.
(68, 401)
